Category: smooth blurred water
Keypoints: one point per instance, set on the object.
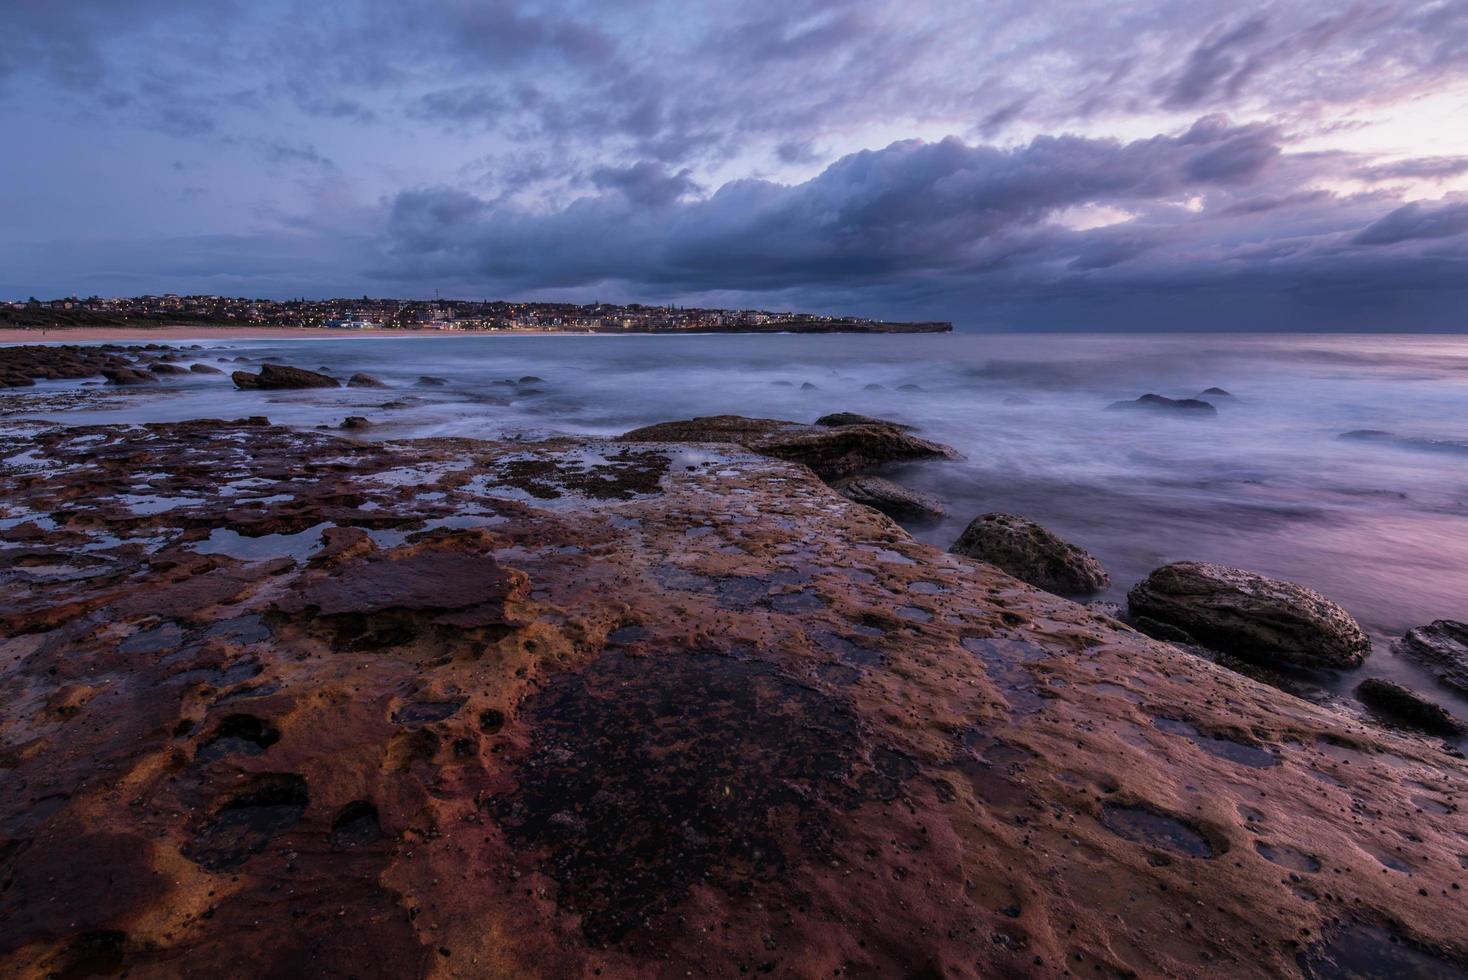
(1266, 485)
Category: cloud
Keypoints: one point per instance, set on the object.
(645, 183)
(1416, 168)
(1415, 220)
(925, 227)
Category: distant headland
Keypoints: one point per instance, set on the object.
(368, 314)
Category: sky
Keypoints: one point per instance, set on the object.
(1007, 165)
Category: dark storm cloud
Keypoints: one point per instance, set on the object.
(1415, 220)
(936, 222)
(645, 183)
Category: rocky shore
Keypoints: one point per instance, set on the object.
(290, 703)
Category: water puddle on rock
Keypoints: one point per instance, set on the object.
(1225, 748)
(224, 541)
(1143, 825)
(1361, 951)
(1287, 857)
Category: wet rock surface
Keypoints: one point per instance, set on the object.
(273, 377)
(1249, 615)
(284, 703)
(831, 451)
(1442, 647)
(1405, 707)
(1032, 553)
(895, 501)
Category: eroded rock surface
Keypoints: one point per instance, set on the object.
(895, 501)
(1032, 553)
(282, 703)
(1250, 615)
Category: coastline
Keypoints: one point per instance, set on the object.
(65, 335)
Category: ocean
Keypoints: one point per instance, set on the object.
(1379, 525)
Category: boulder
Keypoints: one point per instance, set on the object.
(851, 418)
(1216, 393)
(1032, 554)
(895, 501)
(163, 367)
(1250, 615)
(1408, 708)
(431, 381)
(807, 386)
(1442, 647)
(831, 452)
(1158, 403)
(274, 377)
(204, 369)
(352, 422)
(129, 376)
(360, 380)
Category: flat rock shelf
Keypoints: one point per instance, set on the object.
(578, 708)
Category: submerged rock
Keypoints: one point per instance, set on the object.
(895, 501)
(126, 376)
(837, 419)
(1442, 647)
(281, 376)
(831, 452)
(204, 369)
(1215, 393)
(1031, 553)
(1159, 403)
(360, 380)
(1405, 442)
(1251, 615)
(1399, 704)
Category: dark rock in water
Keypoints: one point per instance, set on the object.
(1217, 393)
(430, 381)
(807, 386)
(831, 452)
(895, 501)
(1398, 703)
(273, 377)
(1405, 442)
(365, 381)
(1442, 647)
(1032, 554)
(355, 422)
(909, 387)
(873, 387)
(852, 418)
(783, 384)
(163, 367)
(1250, 615)
(531, 379)
(1180, 406)
(1165, 632)
(129, 376)
(204, 369)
